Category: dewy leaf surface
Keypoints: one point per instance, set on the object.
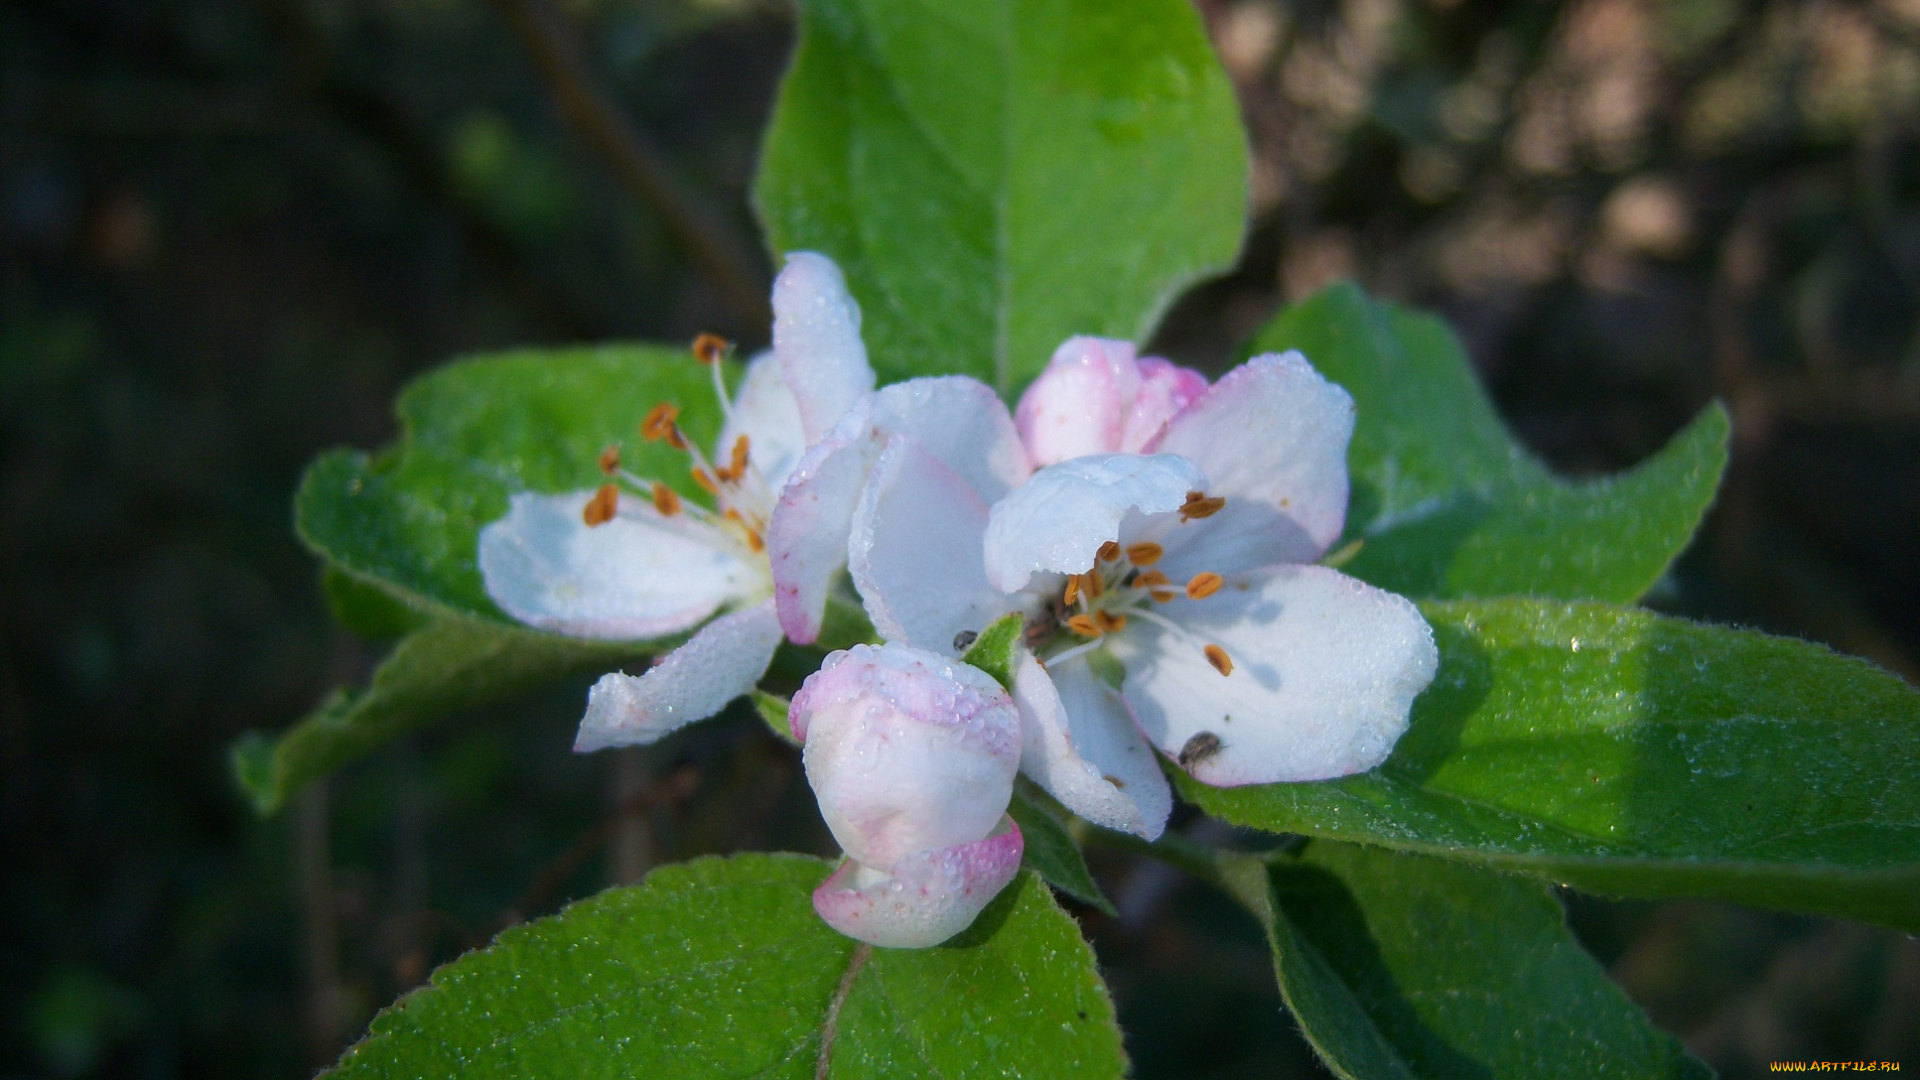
(473, 433)
(1447, 504)
(998, 176)
(1051, 850)
(1401, 967)
(450, 664)
(1631, 754)
(720, 968)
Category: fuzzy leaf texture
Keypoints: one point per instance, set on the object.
(1447, 504)
(1630, 754)
(995, 177)
(720, 968)
(1401, 967)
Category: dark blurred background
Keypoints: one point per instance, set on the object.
(230, 231)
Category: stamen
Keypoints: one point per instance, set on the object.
(1092, 584)
(737, 466)
(1110, 622)
(676, 438)
(1109, 551)
(755, 542)
(1084, 626)
(1200, 505)
(1072, 595)
(1145, 553)
(1203, 585)
(1218, 657)
(1163, 595)
(705, 480)
(1065, 655)
(710, 349)
(665, 499)
(610, 459)
(600, 509)
(659, 422)
(1149, 579)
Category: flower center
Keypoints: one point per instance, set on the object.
(1123, 584)
(742, 498)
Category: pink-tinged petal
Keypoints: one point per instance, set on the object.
(927, 898)
(767, 413)
(816, 335)
(1081, 745)
(1079, 404)
(1324, 672)
(1058, 519)
(1275, 432)
(721, 662)
(636, 576)
(1165, 390)
(962, 422)
(915, 551)
(807, 532)
(906, 750)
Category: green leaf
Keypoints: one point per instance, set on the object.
(1050, 849)
(475, 432)
(997, 647)
(1630, 754)
(450, 664)
(368, 610)
(1400, 966)
(719, 968)
(996, 177)
(773, 711)
(1447, 504)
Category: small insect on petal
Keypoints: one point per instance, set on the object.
(964, 640)
(1109, 551)
(659, 422)
(665, 499)
(610, 459)
(711, 348)
(1203, 745)
(1145, 553)
(1203, 585)
(600, 509)
(1084, 626)
(1218, 657)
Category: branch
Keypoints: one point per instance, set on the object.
(702, 235)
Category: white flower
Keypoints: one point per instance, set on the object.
(1171, 594)
(912, 757)
(633, 560)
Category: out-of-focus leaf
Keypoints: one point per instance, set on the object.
(368, 610)
(1401, 967)
(449, 665)
(773, 710)
(1631, 754)
(719, 968)
(996, 177)
(1051, 851)
(1446, 504)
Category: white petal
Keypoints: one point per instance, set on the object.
(1245, 534)
(1081, 745)
(1079, 405)
(816, 335)
(1165, 390)
(767, 413)
(927, 898)
(635, 576)
(1325, 669)
(906, 750)
(962, 422)
(807, 532)
(1274, 431)
(915, 551)
(721, 662)
(1058, 519)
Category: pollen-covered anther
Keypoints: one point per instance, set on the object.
(1201, 505)
(1072, 594)
(1149, 580)
(711, 348)
(659, 424)
(1218, 657)
(706, 481)
(665, 499)
(1085, 626)
(610, 459)
(1145, 553)
(1109, 622)
(1203, 585)
(601, 508)
(1092, 584)
(737, 460)
(1109, 551)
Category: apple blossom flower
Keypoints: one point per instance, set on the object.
(1164, 557)
(634, 560)
(912, 757)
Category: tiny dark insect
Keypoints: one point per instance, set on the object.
(964, 640)
(1200, 747)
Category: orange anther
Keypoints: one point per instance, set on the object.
(1092, 584)
(665, 499)
(705, 480)
(1200, 505)
(1084, 626)
(711, 348)
(1149, 579)
(600, 509)
(1110, 622)
(659, 422)
(1072, 595)
(1203, 585)
(1163, 595)
(1109, 551)
(1218, 657)
(737, 465)
(755, 541)
(1145, 553)
(610, 459)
